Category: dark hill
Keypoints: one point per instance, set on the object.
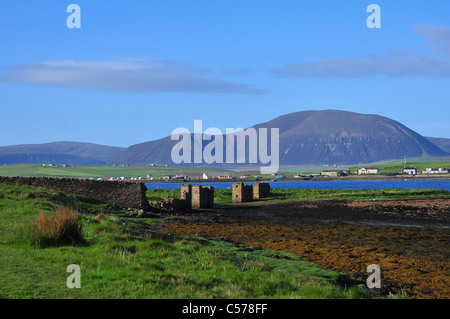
(338, 137)
(443, 143)
(74, 153)
(316, 138)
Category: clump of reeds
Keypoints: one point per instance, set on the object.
(61, 227)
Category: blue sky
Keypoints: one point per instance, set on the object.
(137, 70)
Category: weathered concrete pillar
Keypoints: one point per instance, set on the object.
(210, 196)
(186, 194)
(261, 190)
(196, 196)
(242, 193)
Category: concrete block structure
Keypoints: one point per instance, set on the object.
(186, 195)
(210, 196)
(242, 193)
(261, 190)
(197, 196)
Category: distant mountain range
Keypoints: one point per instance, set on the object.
(318, 138)
(305, 138)
(74, 153)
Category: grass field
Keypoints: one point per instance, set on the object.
(97, 171)
(118, 260)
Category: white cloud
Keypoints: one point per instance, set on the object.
(394, 64)
(142, 76)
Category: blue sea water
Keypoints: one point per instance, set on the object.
(379, 184)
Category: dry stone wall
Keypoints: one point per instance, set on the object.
(121, 194)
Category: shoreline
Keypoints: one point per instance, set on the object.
(305, 179)
(402, 237)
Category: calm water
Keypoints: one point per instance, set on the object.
(426, 184)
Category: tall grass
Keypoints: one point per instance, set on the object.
(62, 227)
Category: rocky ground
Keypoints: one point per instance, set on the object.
(408, 239)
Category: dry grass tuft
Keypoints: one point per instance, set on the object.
(62, 227)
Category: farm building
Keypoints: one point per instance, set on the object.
(368, 170)
(335, 172)
(440, 170)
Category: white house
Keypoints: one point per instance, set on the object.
(410, 170)
(205, 176)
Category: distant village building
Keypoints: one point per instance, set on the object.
(368, 170)
(440, 170)
(410, 170)
(205, 176)
(335, 172)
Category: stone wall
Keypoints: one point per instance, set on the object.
(242, 193)
(261, 190)
(121, 194)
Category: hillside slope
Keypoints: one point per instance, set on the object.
(443, 143)
(316, 138)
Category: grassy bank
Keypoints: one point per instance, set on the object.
(223, 196)
(119, 260)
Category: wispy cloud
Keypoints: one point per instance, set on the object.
(141, 76)
(394, 64)
(437, 37)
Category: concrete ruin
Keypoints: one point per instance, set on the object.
(246, 193)
(261, 190)
(242, 193)
(196, 196)
(186, 195)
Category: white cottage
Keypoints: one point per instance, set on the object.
(410, 170)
